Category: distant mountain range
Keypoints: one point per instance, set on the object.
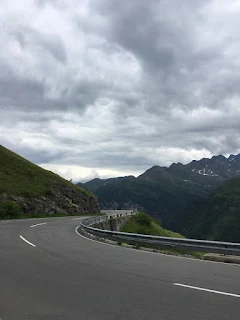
(217, 167)
(163, 192)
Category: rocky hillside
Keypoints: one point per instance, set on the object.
(38, 191)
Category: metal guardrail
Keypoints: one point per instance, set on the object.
(158, 242)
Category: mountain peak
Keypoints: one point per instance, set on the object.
(219, 157)
(218, 167)
(154, 173)
(174, 164)
(231, 157)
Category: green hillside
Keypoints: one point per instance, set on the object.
(92, 185)
(216, 217)
(157, 192)
(20, 177)
(142, 223)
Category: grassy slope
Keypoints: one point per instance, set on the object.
(20, 177)
(216, 217)
(142, 223)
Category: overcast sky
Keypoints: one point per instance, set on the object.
(112, 87)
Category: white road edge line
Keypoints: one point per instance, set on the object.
(208, 290)
(78, 218)
(38, 224)
(31, 244)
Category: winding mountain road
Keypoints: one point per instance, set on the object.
(48, 271)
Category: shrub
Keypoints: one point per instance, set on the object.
(143, 219)
(9, 210)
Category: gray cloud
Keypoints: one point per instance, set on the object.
(114, 87)
(27, 37)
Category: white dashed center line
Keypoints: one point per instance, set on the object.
(208, 290)
(38, 224)
(28, 242)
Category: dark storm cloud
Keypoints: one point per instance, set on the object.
(135, 26)
(164, 36)
(119, 85)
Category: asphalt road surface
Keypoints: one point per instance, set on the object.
(47, 272)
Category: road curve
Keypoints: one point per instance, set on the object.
(47, 271)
